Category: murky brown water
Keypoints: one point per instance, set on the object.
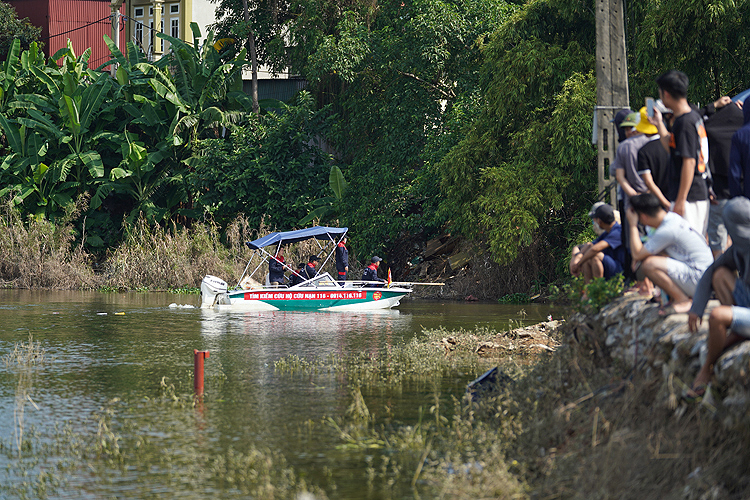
(111, 352)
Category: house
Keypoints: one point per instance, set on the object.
(85, 22)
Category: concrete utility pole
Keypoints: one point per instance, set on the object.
(611, 85)
(115, 5)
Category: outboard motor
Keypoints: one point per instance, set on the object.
(211, 287)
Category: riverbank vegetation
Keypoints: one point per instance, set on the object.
(418, 119)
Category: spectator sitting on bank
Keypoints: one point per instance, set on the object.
(371, 272)
(739, 159)
(675, 256)
(733, 293)
(605, 256)
(722, 119)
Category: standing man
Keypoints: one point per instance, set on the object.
(688, 147)
(371, 272)
(739, 159)
(342, 260)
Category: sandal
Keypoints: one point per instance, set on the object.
(695, 394)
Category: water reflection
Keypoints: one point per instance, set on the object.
(107, 347)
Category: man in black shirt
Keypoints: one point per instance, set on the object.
(688, 147)
(309, 271)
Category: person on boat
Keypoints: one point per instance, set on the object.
(675, 256)
(309, 272)
(276, 269)
(729, 278)
(371, 272)
(342, 260)
(296, 277)
(605, 256)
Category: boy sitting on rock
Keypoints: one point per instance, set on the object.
(675, 256)
(605, 256)
(733, 293)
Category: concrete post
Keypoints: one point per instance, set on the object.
(611, 86)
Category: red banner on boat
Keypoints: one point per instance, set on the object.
(322, 295)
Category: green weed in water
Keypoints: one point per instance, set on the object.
(515, 298)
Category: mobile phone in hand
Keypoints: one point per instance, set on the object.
(650, 106)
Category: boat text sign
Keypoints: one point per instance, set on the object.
(329, 295)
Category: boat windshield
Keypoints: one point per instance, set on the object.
(323, 281)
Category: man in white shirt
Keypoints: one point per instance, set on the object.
(675, 256)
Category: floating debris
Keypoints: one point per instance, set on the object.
(174, 305)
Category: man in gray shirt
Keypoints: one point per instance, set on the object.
(675, 255)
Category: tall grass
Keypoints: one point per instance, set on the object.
(37, 253)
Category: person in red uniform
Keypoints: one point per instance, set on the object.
(371, 272)
(342, 260)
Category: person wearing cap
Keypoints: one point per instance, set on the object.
(729, 278)
(605, 256)
(688, 147)
(623, 133)
(675, 256)
(654, 163)
(722, 118)
(626, 159)
(309, 272)
(342, 260)
(371, 272)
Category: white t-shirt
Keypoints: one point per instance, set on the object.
(681, 242)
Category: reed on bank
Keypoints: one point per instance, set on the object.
(37, 253)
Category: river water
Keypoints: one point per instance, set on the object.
(110, 357)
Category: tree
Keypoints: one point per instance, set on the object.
(707, 40)
(12, 28)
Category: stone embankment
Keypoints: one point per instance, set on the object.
(630, 331)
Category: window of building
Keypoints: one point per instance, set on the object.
(139, 33)
(139, 12)
(175, 24)
(174, 8)
(151, 11)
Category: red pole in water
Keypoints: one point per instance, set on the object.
(198, 373)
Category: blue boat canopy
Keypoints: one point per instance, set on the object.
(317, 232)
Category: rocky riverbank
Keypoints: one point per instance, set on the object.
(662, 350)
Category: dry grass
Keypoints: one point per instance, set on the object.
(37, 253)
(41, 254)
(571, 425)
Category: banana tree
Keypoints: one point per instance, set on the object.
(26, 176)
(154, 190)
(202, 88)
(70, 113)
(324, 207)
